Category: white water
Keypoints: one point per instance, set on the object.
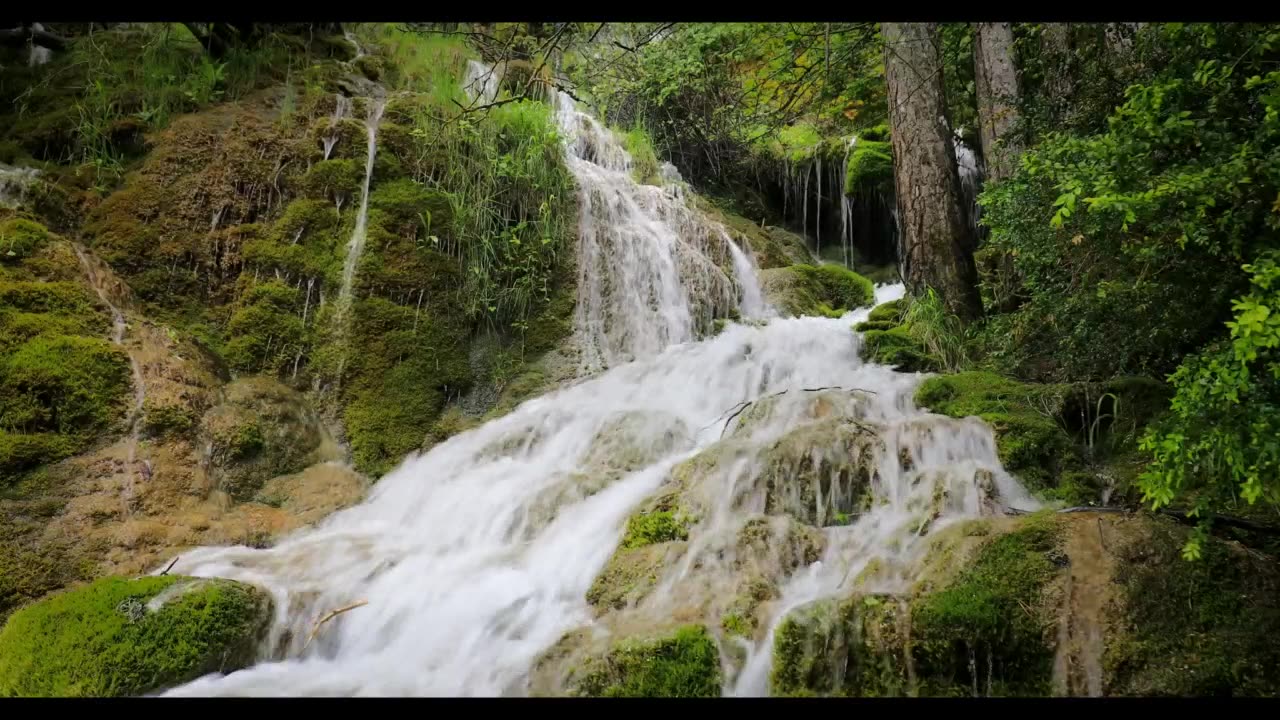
(476, 557)
(341, 110)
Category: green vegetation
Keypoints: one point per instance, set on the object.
(988, 626)
(107, 640)
(824, 290)
(683, 664)
(655, 527)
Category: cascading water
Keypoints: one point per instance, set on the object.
(476, 557)
(341, 111)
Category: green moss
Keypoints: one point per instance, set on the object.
(64, 384)
(338, 178)
(163, 420)
(735, 624)
(102, 640)
(20, 452)
(655, 527)
(990, 626)
(875, 325)
(1023, 415)
(684, 664)
(852, 648)
(387, 421)
(371, 66)
(262, 429)
(821, 470)
(891, 311)
(825, 290)
(1193, 628)
(644, 162)
(20, 239)
(630, 575)
(266, 329)
(897, 348)
(870, 166)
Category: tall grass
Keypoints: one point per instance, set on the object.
(942, 333)
(502, 169)
(144, 76)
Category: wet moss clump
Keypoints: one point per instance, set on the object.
(117, 637)
(896, 347)
(655, 527)
(851, 648)
(870, 166)
(1031, 443)
(988, 631)
(683, 664)
(824, 290)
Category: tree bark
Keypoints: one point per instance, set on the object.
(936, 240)
(1056, 51)
(996, 85)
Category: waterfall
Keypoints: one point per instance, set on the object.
(970, 180)
(475, 557)
(341, 110)
(650, 267)
(355, 246)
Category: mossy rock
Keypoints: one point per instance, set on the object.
(1031, 443)
(632, 440)
(631, 574)
(126, 637)
(897, 348)
(979, 622)
(853, 647)
(833, 461)
(20, 238)
(824, 290)
(371, 66)
(891, 312)
(870, 167)
(685, 663)
(991, 627)
(261, 429)
(1200, 628)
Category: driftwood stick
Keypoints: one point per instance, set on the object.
(171, 564)
(332, 614)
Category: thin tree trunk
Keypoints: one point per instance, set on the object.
(936, 240)
(997, 91)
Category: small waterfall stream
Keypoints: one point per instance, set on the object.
(475, 557)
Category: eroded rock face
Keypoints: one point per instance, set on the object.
(260, 430)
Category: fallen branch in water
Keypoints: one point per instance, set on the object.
(332, 614)
(175, 562)
(742, 406)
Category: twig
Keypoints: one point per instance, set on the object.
(332, 614)
(175, 562)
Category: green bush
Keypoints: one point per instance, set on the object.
(654, 527)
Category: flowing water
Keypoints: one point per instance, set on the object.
(475, 558)
(94, 274)
(355, 246)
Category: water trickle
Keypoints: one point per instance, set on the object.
(970, 179)
(341, 110)
(355, 246)
(15, 182)
(93, 274)
(481, 82)
(475, 557)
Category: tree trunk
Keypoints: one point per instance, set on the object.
(996, 83)
(1058, 82)
(936, 240)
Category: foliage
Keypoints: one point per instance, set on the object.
(1218, 444)
(942, 334)
(102, 640)
(1129, 241)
